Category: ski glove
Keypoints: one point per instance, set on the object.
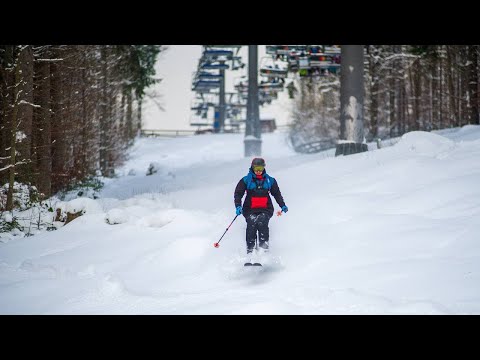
(284, 208)
(239, 210)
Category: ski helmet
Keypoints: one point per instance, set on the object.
(258, 162)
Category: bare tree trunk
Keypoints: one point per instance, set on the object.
(474, 117)
(84, 120)
(7, 98)
(2, 120)
(115, 139)
(44, 151)
(139, 117)
(104, 146)
(122, 117)
(3, 109)
(25, 115)
(400, 107)
(440, 90)
(404, 104)
(433, 94)
(13, 136)
(451, 87)
(374, 87)
(392, 111)
(129, 119)
(459, 90)
(417, 122)
(69, 120)
(407, 119)
(58, 125)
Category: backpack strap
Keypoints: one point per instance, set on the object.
(268, 182)
(248, 180)
(250, 184)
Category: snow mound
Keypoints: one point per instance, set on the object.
(84, 205)
(116, 216)
(184, 221)
(469, 133)
(424, 143)
(158, 220)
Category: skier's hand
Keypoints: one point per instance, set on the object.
(284, 208)
(239, 210)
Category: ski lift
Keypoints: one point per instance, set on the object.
(215, 54)
(235, 101)
(277, 85)
(201, 89)
(214, 65)
(271, 49)
(207, 75)
(200, 119)
(278, 51)
(237, 63)
(273, 69)
(320, 60)
(235, 47)
(199, 107)
(241, 84)
(292, 60)
(332, 49)
(298, 48)
(282, 49)
(303, 63)
(206, 84)
(315, 49)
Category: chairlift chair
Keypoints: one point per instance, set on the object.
(215, 54)
(282, 49)
(237, 63)
(292, 60)
(200, 90)
(332, 49)
(271, 69)
(210, 84)
(237, 47)
(303, 63)
(320, 60)
(271, 49)
(200, 120)
(299, 48)
(207, 75)
(213, 66)
(271, 85)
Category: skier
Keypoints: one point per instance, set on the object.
(257, 207)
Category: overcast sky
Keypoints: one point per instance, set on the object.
(176, 66)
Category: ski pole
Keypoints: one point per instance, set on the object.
(217, 244)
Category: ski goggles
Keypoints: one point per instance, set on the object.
(258, 168)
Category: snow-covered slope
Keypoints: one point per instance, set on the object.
(390, 231)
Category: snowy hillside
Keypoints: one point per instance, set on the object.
(390, 231)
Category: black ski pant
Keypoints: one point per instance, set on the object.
(257, 222)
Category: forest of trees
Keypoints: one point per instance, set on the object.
(69, 112)
(407, 88)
